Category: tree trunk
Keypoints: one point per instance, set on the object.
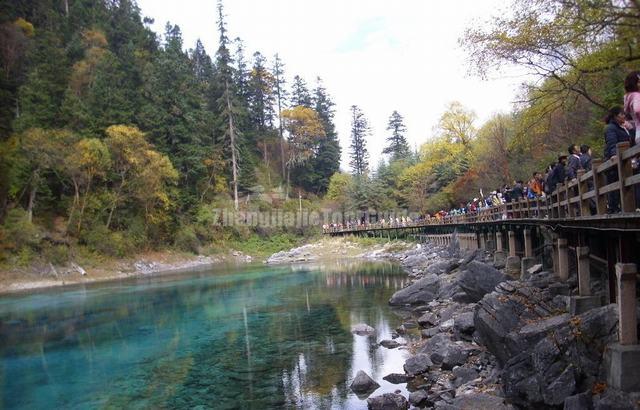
(115, 203)
(286, 198)
(66, 7)
(76, 201)
(84, 204)
(35, 179)
(234, 163)
(266, 162)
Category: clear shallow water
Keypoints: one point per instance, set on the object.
(255, 338)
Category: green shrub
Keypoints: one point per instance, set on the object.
(20, 232)
(103, 241)
(186, 239)
(56, 254)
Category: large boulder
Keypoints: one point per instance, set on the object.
(443, 352)
(428, 319)
(478, 279)
(418, 364)
(463, 324)
(416, 261)
(419, 398)
(388, 401)
(363, 383)
(443, 267)
(556, 357)
(420, 292)
(480, 401)
(510, 307)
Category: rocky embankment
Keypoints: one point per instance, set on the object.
(491, 341)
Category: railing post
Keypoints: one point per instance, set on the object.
(567, 193)
(583, 188)
(563, 259)
(627, 193)
(528, 243)
(627, 323)
(512, 243)
(561, 189)
(601, 205)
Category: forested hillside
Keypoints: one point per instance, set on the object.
(115, 137)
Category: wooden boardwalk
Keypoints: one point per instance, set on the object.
(570, 205)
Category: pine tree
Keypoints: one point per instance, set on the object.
(201, 64)
(327, 161)
(359, 130)
(226, 101)
(281, 98)
(261, 94)
(175, 114)
(40, 97)
(397, 143)
(300, 95)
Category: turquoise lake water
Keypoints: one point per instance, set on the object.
(250, 338)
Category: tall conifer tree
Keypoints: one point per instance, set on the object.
(397, 144)
(359, 130)
(300, 93)
(281, 99)
(226, 100)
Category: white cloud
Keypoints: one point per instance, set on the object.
(380, 55)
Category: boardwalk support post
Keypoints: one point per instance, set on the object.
(512, 243)
(622, 359)
(584, 302)
(563, 259)
(528, 243)
(499, 241)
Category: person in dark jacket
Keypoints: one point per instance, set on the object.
(573, 162)
(614, 133)
(558, 174)
(585, 157)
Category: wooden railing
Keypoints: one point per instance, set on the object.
(571, 199)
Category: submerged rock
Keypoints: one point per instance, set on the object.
(389, 344)
(362, 329)
(397, 378)
(363, 383)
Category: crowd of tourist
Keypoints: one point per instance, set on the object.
(621, 126)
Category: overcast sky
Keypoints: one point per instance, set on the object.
(377, 54)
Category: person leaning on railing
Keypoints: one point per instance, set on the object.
(615, 133)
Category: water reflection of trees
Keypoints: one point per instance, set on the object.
(185, 344)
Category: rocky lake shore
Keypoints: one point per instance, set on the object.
(488, 340)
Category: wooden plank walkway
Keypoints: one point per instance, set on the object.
(570, 205)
